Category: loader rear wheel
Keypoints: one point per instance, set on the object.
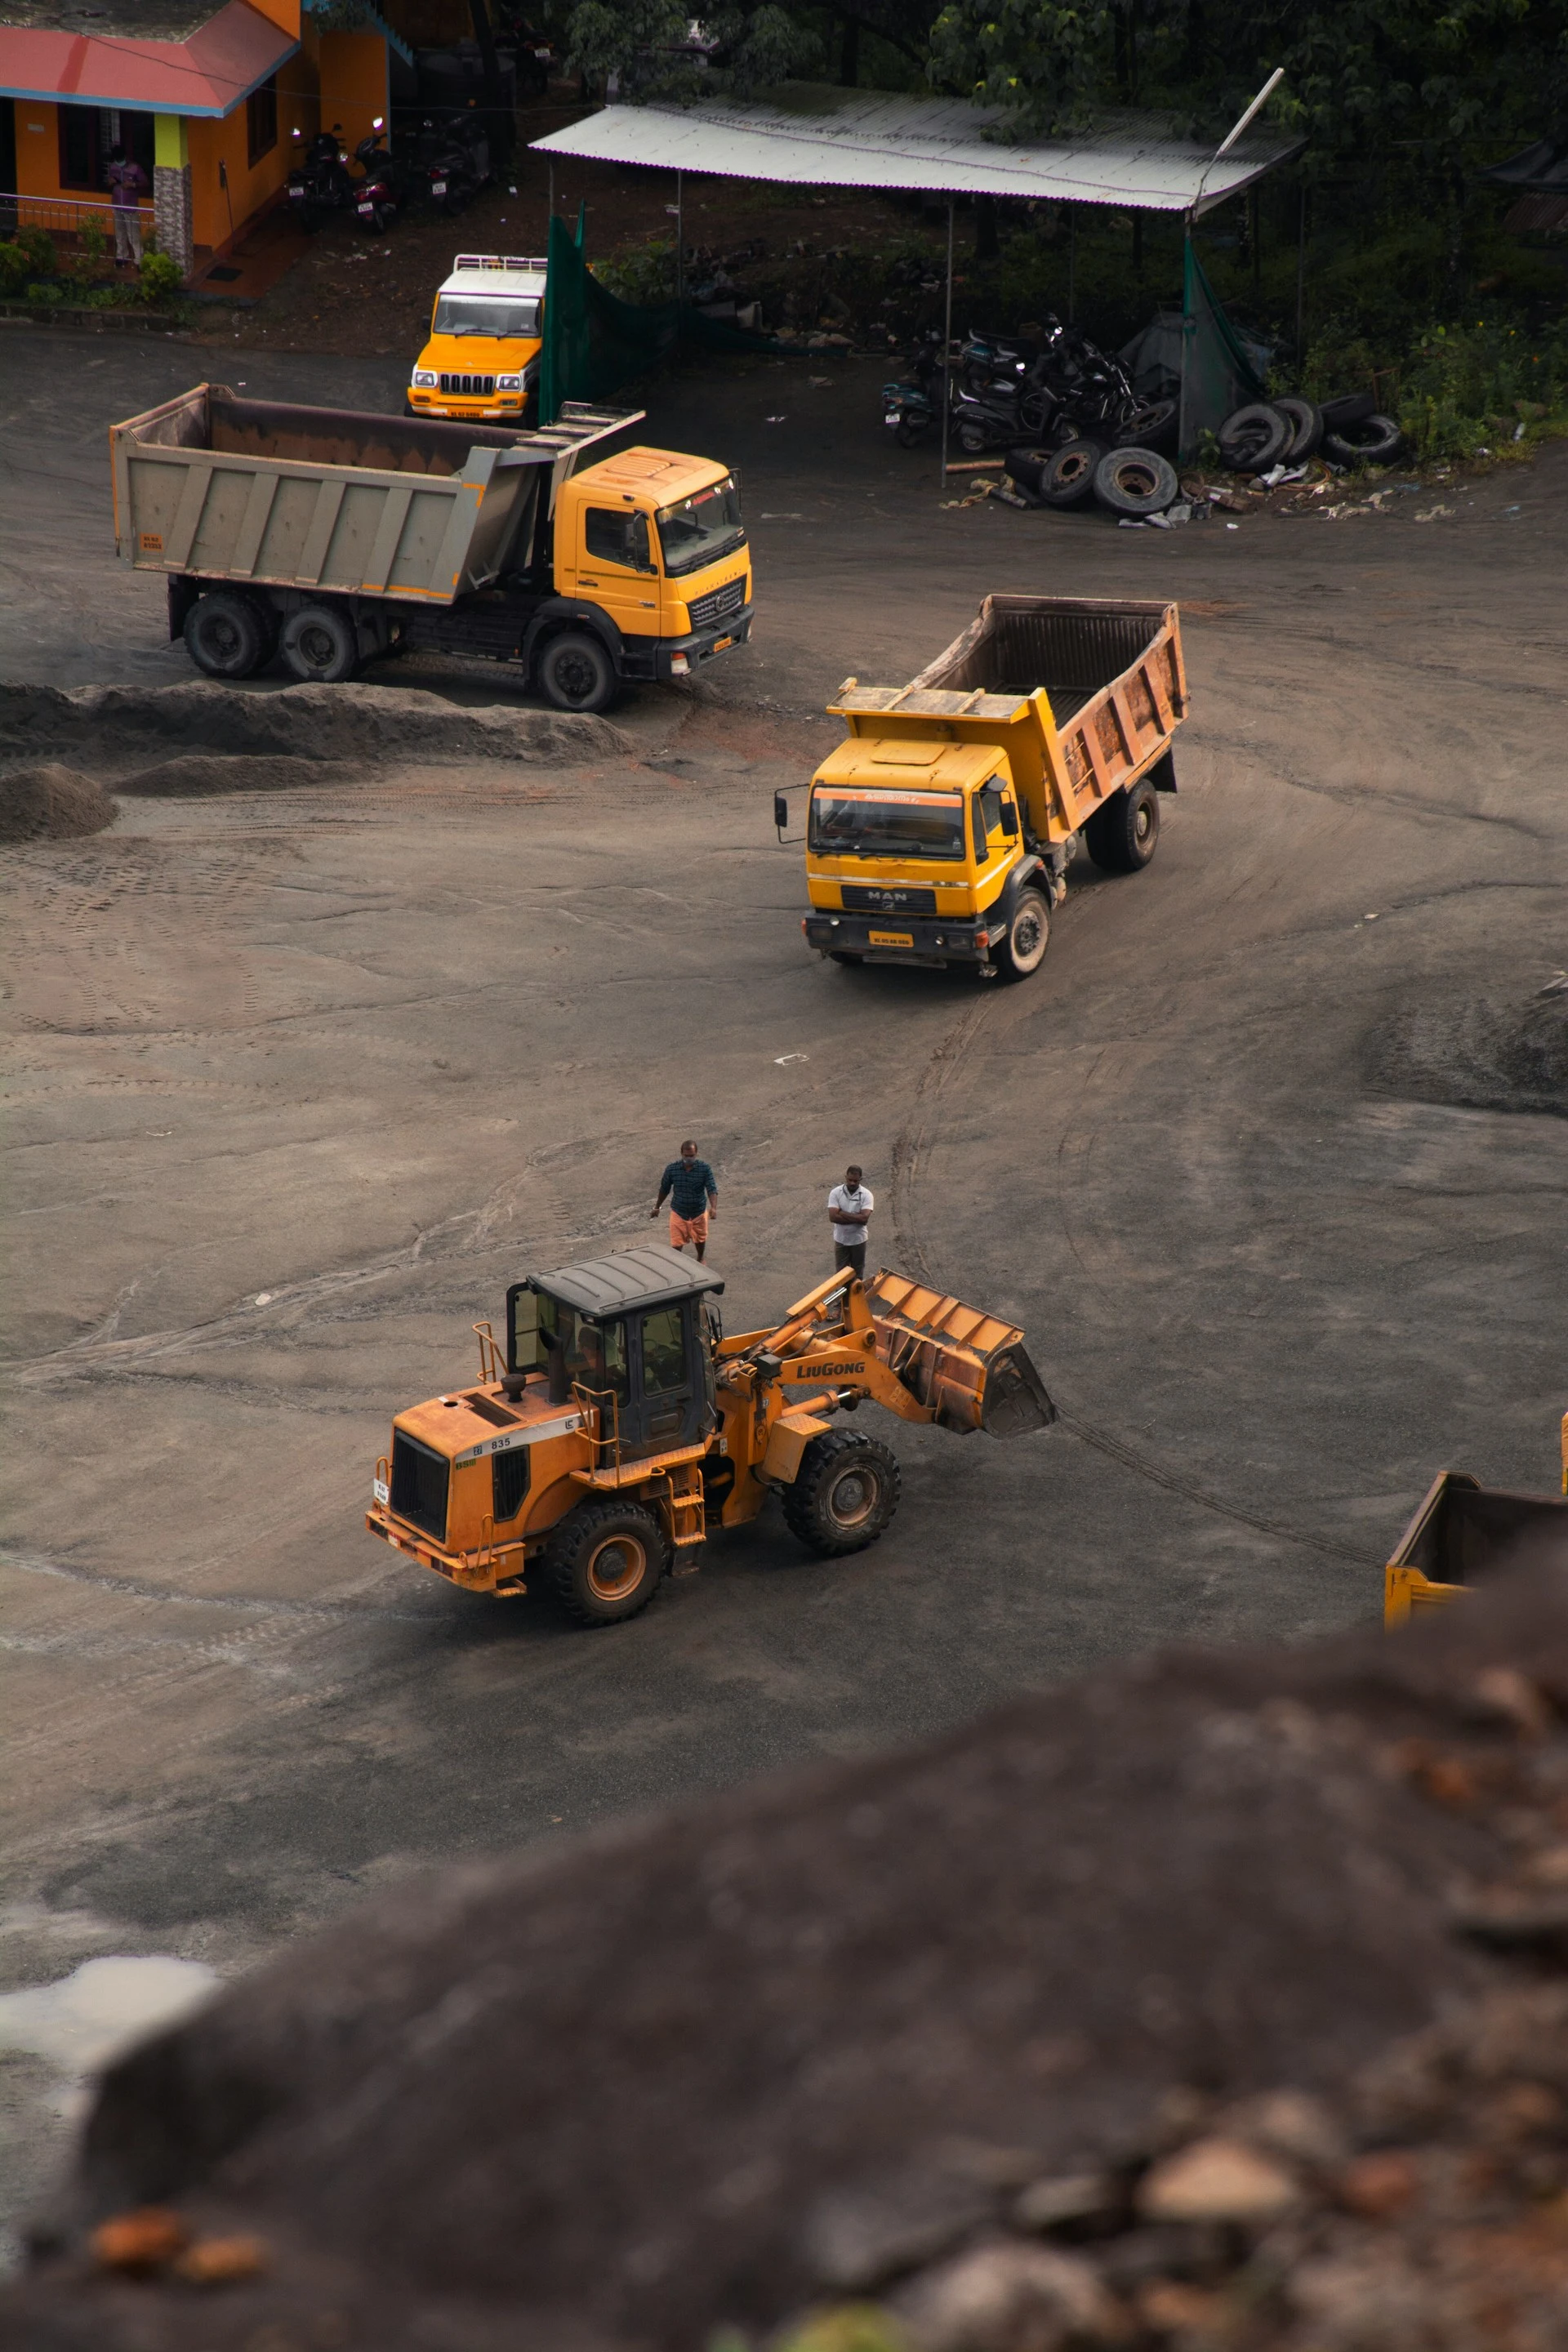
(607, 1562)
(843, 1493)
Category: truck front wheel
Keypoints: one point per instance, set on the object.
(1122, 836)
(320, 645)
(1028, 936)
(843, 1493)
(226, 636)
(606, 1560)
(575, 673)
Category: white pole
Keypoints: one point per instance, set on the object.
(947, 348)
(1233, 133)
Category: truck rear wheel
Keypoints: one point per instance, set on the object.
(843, 1493)
(1122, 836)
(575, 673)
(226, 635)
(1028, 936)
(320, 645)
(606, 1559)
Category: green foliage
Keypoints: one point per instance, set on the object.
(160, 280)
(15, 270)
(43, 298)
(645, 274)
(847, 2327)
(644, 43)
(27, 257)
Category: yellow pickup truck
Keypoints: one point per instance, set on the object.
(941, 830)
(480, 363)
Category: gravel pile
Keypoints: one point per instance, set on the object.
(119, 726)
(1219, 2002)
(1480, 1054)
(52, 803)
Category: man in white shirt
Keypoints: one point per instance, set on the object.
(849, 1207)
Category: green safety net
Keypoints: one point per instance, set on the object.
(1217, 374)
(594, 342)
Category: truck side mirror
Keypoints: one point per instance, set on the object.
(1009, 820)
(637, 543)
(780, 813)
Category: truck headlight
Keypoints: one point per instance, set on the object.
(509, 384)
(424, 381)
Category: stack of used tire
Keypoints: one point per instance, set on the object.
(1287, 431)
(1132, 482)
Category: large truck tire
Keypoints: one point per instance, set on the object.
(606, 1559)
(1135, 482)
(1028, 936)
(1123, 835)
(1068, 480)
(226, 635)
(843, 1493)
(575, 673)
(320, 645)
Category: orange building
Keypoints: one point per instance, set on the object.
(204, 94)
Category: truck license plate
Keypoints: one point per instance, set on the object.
(720, 644)
(892, 938)
(382, 1493)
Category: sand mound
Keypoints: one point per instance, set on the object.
(1479, 1054)
(199, 773)
(52, 803)
(120, 725)
(834, 2035)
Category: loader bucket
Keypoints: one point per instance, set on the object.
(969, 1367)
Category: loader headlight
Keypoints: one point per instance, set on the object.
(509, 384)
(424, 381)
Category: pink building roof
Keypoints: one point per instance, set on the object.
(206, 73)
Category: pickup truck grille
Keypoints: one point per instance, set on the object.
(470, 387)
(713, 607)
(866, 899)
(419, 1485)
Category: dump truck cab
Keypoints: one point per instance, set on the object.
(619, 1427)
(916, 849)
(653, 541)
(480, 363)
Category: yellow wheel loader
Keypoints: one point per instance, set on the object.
(622, 1428)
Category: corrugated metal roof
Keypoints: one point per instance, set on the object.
(872, 139)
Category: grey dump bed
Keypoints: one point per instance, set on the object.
(324, 498)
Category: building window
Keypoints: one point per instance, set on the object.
(81, 160)
(261, 119)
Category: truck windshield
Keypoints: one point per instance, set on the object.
(701, 526)
(885, 825)
(484, 314)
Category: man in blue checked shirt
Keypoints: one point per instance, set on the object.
(693, 1200)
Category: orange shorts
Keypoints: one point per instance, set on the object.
(687, 1229)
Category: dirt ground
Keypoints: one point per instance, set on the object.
(300, 1078)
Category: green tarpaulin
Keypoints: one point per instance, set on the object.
(594, 342)
(1217, 374)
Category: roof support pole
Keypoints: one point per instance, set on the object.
(1072, 260)
(1189, 329)
(947, 349)
(1301, 288)
(679, 244)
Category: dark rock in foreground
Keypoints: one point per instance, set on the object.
(1088, 2004)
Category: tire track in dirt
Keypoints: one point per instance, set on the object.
(910, 1149)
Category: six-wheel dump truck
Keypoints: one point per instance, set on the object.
(624, 1428)
(941, 830)
(1464, 1533)
(334, 537)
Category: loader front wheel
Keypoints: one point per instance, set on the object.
(607, 1562)
(843, 1493)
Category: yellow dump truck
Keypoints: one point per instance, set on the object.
(333, 536)
(941, 830)
(1464, 1533)
(622, 1428)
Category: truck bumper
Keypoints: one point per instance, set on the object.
(904, 938)
(664, 658)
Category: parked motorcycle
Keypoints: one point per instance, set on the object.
(319, 181)
(380, 194)
(462, 165)
(911, 407)
(1048, 394)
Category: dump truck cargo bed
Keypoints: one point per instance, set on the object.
(269, 494)
(1464, 1533)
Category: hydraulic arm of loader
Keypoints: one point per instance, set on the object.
(921, 1355)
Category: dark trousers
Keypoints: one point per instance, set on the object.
(852, 1255)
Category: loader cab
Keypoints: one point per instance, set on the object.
(634, 1334)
